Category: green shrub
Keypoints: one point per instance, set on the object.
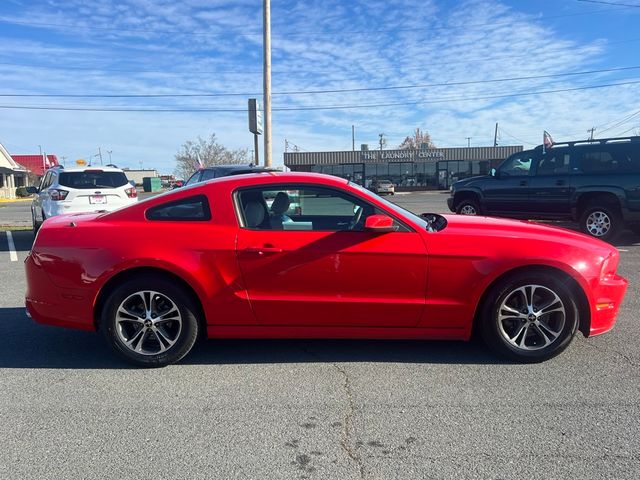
(21, 192)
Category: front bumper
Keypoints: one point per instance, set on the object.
(605, 303)
(450, 204)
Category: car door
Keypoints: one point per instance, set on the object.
(507, 193)
(315, 266)
(37, 205)
(551, 187)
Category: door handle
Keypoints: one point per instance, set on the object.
(523, 183)
(559, 182)
(263, 250)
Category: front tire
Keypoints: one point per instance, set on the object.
(468, 207)
(529, 317)
(150, 322)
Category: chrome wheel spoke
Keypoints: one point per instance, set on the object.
(170, 315)
(135, 343)
(531, 317)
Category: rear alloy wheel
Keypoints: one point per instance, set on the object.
(150, 322)
(600, 222)
(529, 317)
(468, 207)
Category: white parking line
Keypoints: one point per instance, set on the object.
(12, 247)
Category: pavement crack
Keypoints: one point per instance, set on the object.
(625, 357)
(347, 441)
(347, 438)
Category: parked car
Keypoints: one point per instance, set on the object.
(382, 187)
(212, 259)
(208, 173)
(80, 190)
(595, 183)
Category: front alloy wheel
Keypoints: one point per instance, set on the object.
(150, 321)
(529, 317)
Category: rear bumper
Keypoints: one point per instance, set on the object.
(606, 300)
(49, 304)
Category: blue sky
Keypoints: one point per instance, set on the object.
(454, 57)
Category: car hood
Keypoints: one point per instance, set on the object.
(468, 181)
(523, 231)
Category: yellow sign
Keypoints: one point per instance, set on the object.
(80, 162)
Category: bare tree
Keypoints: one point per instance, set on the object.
(209, 152)
(417, 140)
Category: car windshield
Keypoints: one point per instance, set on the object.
(403, 212)
(93, 179)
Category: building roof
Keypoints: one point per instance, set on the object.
(7, 163)
(36, 163)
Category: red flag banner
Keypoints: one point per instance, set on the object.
(547, 141)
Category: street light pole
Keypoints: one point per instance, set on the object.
(267, 81)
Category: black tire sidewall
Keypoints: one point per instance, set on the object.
(490, 328)
(614, 218)
(182, 301)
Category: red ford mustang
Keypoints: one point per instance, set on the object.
(313, 256)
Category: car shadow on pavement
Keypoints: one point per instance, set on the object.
(29, 345)
(22, 240)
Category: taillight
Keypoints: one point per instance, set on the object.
(131, 192)
(57, 194)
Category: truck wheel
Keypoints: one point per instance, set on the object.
(468, 207)
(601, 222)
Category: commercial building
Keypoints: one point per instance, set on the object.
(12, 175)
(419, 169)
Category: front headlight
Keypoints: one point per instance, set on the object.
(609, 266)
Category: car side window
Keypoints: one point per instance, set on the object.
(207, 175)
(304, 208)
(554, 163)
(191, 209)
(518, 165)
(46, 181)
(599, 161)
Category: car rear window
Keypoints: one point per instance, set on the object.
(93, 179)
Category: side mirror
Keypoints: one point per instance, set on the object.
(379, 224)
(32, 190)
(493, 172)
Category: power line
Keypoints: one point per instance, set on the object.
(621, 122)
(325, 107)
(312, 92)
(616, 4)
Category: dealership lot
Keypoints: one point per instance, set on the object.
(313, 409)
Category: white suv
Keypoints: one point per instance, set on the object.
(80, 190)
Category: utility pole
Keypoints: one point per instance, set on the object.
(100, 155)
(468, 141)
(64, 163)
(591, 130)
(382, 141)
(495, 136)
(353, 138)
(109, 152)
(267, 80)
(286, 145)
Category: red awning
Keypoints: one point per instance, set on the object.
(36, 163)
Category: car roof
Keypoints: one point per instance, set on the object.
(90, 169)
(249, 179)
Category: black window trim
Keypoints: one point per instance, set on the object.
(299, 186)
(182, 201)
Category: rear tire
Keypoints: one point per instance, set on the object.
(468, 207)
(600, 221)
(150, 322)
(529, 317)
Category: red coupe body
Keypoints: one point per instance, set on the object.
(303, 281)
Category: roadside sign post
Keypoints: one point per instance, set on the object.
(255, 127)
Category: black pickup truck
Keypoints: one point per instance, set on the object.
(595, 183)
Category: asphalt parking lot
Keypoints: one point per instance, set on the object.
(313, 409)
